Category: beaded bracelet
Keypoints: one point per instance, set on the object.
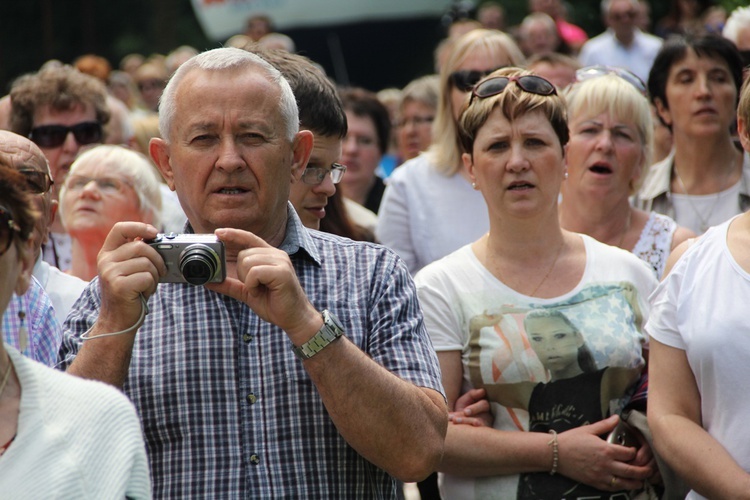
(141, 319)
(555, 452)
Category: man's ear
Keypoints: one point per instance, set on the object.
(26, 261)
(301, 150)
(159, 150)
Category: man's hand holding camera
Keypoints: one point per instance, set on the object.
(128, 267)
(266, 281)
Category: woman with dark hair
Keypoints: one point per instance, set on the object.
(514, 131)
(699, 333)
(84, 437)
(366, 141)
(694, 84)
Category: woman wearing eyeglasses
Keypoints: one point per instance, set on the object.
(429, 208)
(475, 300)
(83, 437)
(694, 84)
(611, 137)
(106, 185)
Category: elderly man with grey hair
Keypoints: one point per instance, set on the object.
(253, 386)
(622, 44)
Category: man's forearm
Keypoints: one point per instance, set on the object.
(394, 424)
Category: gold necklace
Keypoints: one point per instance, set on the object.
(554, 262)
(704, 222)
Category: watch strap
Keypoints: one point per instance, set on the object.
(330, 331)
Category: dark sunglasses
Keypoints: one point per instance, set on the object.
(590, 72)
(465, 79)
(37, 182)
(53, 136)
(529, 83)
(7, 228)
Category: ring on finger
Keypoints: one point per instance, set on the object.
(613, 483)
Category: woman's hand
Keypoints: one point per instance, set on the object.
(472, 408)
(586, 457)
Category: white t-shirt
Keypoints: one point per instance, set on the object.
(467, 309)
(426, 215)
(700, 307)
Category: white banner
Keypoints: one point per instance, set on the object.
(221, 19)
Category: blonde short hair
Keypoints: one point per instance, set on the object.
(615, 96)
(514, 102)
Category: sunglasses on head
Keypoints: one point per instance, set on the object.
(590, 72)
(528, 83)
(53, 136)
(37, 182)
(7, 228)
(465, 79)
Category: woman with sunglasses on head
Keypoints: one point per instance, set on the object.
(611, 137)
(82, 437)
(106, 185)
(514, 132)
(429, 208)
(694, 84)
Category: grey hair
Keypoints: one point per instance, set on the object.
(227, 59)
(738, 19)
(137, 170)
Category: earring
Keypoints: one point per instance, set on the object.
(474, 186)
(565, 175)
(23, 334)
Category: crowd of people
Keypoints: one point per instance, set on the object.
(499, 281)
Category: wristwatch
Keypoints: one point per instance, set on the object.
(330, 331)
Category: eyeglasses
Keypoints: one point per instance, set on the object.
(37, 182)
(465, 79)
(7, 228)
(53, 136)
(529, 83)
(315, 175)
(107, 185)
(417, 121)
(590, 72)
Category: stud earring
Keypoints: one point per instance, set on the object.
(474, 185)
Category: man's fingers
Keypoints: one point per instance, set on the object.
(236, 240)
(124, 232)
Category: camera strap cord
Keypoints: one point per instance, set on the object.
(137, 325)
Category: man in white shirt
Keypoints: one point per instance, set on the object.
(623, 44)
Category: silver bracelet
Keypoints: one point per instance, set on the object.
(137, 325)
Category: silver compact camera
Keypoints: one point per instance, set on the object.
(191, 258)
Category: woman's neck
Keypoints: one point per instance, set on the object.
(607, 220)
(705, 167)
(533, 239)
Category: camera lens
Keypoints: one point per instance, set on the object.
(198, 264)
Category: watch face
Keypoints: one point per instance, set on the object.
(329, 317)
